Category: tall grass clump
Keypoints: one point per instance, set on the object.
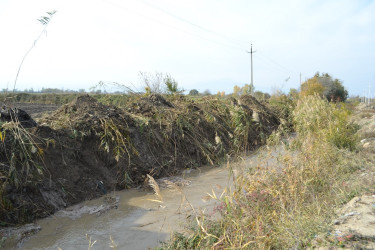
(325, 121)
(285, 203)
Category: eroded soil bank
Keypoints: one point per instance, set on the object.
(84, 143)
(138, 221)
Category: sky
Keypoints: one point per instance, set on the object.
(202, 44)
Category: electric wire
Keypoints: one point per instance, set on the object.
(235, 43)
(238, 42)
(171, 26)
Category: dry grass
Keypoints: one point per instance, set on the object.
(155, 186)
(286, 204)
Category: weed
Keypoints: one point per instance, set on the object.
(330, 121)
(21, 164)
(285, 204)
(242, 124)
(24, 155)
(116, 137)
(155, 186)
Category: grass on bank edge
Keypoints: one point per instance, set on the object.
(288, 204)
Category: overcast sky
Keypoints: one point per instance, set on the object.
(202, 44)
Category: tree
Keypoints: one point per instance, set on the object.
(336, 91)
(236, 90)
(206, 92)
(312, 86)
(293, 93)
(194, 92)
(261, 96)
(248, 89)
(171, 84)
(325, 86)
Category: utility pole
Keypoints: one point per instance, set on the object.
(300, 79)
(369, 94)
(251, 54)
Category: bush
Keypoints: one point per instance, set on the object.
(325, 86)
(327, 121)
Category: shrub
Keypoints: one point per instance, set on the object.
(327, 121)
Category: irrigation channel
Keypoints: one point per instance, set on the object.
(138, 221)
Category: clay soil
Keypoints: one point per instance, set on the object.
(85, 143)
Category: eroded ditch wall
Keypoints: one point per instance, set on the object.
(86, 148)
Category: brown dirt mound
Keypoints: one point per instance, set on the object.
(85, 142)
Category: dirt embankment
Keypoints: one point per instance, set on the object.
(85, 148)
(354, 226)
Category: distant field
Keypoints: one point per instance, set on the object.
(61, 99)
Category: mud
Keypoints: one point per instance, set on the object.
(16, 236)
(85, 142)
(134, 219)
(138, 222)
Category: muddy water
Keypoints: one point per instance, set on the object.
(138, 222)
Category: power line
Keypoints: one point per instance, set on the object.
(197, 26)
(208, 30)
(275, 63)
(171, 26)
(238, 42)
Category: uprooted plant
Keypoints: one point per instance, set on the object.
(115, 139)
(22, 153)
(21, 163)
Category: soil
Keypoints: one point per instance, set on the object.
(354, 226)
(85, 143)
(17, 115)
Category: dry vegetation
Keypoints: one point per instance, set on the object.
(288, 204)
(59, 162)
(291, 203)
